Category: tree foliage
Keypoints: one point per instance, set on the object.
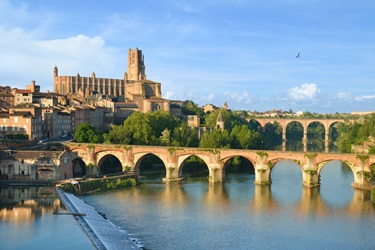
(191, 108)
(230, 118)
(355, 133)
(215, 139)
(86, 133)
(242, 137)
(117, 135)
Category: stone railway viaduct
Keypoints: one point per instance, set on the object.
(284, 122)
(311, 164)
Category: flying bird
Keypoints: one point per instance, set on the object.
(297, 55)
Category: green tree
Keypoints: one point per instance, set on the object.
(240, 137)
(138, 128)
(165, 138)
(215, 139)
(230, 118)
(87, 134)
(191, 108)
(183, 136)
(117, 135)
(158, 122)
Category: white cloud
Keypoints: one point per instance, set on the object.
(344, 95)
(25, 58)
(305, 91)
(364, 97)
(238, 97)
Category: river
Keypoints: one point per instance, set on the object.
(34, 218)
(196, 214)
(237, 214)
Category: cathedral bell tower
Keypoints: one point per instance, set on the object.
(136, 65)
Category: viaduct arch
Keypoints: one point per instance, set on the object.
(263, 161)
(305, 124)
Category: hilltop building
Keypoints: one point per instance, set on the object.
(138, 92)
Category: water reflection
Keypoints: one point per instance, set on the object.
(25, 204)
(281, 215)
(262, 201)
(36, 215)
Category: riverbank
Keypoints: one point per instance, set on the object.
(99, 184)
(103, 233)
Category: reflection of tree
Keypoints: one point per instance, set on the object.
(315, 137)
(294, 135)
(272, 136)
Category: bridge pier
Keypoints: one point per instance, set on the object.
(262, 170)
(172, 173)
(310, 178)
(326, 142)
(284, 139)
(215, 174)
(310, 173)
(262, 176)
(362, 179)
(128, 167)
(304, 140)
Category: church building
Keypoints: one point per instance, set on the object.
(135, 87)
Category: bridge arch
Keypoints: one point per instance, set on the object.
(294, 132)
(305, 123)
(315, 144)
(226, 161)
(286, 176)
(328, 175)
(140, 157)
(183, 158)
(78, 167)
(109, 164)
(324, 163)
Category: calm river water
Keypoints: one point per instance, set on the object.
(236, 214)
(34, 218)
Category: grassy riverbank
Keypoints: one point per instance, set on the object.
(100, 184)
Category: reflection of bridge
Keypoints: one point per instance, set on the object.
(311, 164)
(305, 124)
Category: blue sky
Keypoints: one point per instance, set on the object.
(209, 51)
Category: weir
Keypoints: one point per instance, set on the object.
(101, 231)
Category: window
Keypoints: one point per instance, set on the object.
(48, 161)
(16, 119)
(65, 160)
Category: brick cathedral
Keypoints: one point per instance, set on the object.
(146, 94)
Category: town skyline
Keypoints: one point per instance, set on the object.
(237, 52)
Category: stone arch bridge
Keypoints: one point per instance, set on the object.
(283, 122)
(263, 161)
